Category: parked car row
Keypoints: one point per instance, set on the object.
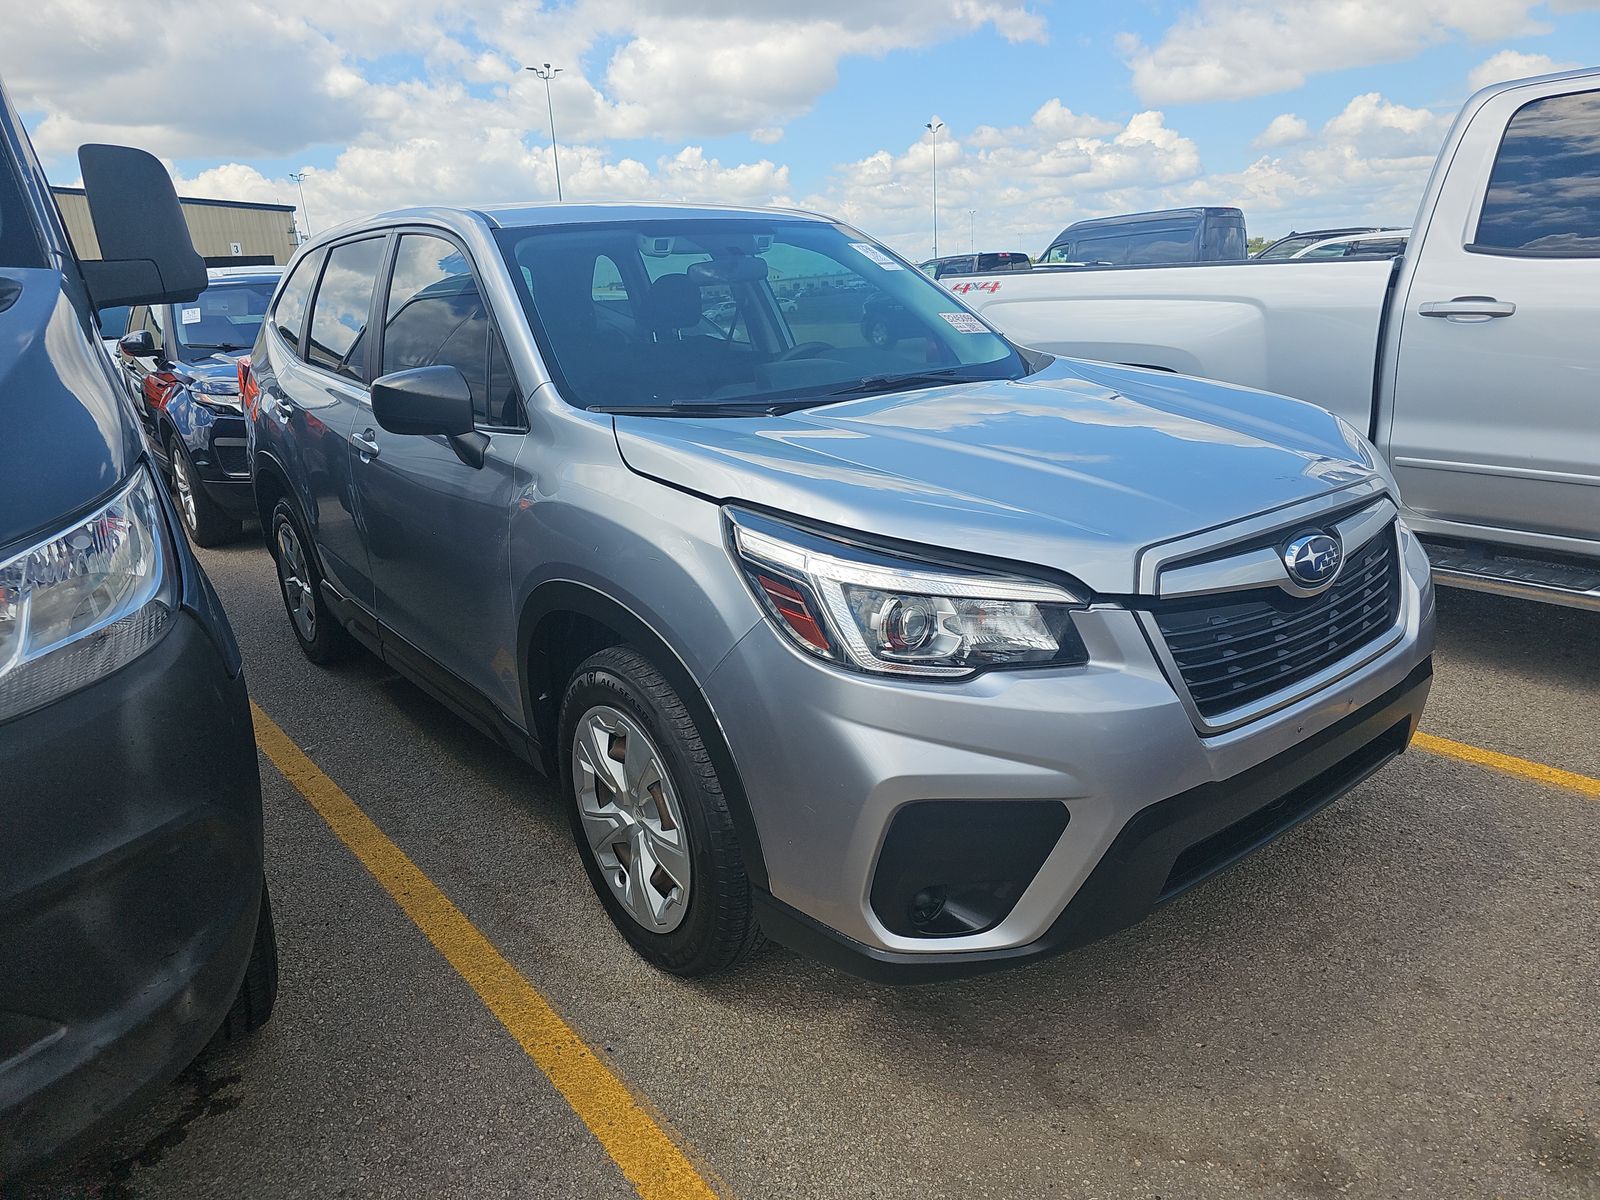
(833, 614)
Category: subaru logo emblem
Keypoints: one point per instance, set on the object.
(1313, 559)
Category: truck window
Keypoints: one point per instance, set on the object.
(1544, 190)
(19, 240)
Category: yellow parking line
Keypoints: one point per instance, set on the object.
(1522, 768)
(653, 1162)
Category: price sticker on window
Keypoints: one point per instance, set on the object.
(965, 322)
(875, 255)
(191, 316)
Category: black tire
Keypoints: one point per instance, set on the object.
(252, 1007)
(718, 928)
(204, 520)
(877, 333)
(322, 639)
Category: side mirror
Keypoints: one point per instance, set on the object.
(138, 344)
(423, 400)
(146, 254)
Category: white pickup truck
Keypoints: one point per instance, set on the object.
(1473, 362)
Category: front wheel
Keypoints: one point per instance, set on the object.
(258, 991)
(322, 639)
(650, 818)
(203, 518)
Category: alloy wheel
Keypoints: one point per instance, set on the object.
(295, 578)
(631, 817)
(185, 487)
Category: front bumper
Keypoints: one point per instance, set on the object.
(828, 760)
(130, 877)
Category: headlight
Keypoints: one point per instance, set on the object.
(81, 604)
(217, 393)
(890, 615)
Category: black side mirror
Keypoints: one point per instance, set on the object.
(146, 254)
(430, 400)
(138, 344)
(423, 400)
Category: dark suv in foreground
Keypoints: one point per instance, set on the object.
(134, 923)
(183, 363)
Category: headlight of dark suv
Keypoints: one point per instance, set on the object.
(78, 605)
(896, 616)
(221, 394)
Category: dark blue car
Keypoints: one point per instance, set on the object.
(183, 363)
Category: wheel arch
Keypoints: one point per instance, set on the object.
(562, 623)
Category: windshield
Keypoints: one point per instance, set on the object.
(742, 313)
(226, 317)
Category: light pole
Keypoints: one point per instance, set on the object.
(972, 231)
(300, 181)
(547, 73)
(933, 127)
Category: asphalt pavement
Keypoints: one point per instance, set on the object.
(1396, 999)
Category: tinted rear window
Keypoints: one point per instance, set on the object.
(338, 340)
(289, 314)
(1544, 191)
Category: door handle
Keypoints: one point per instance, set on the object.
(1472, 308)
(366, 444)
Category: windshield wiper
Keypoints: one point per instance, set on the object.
(893, 383)
(685, 408)
(214, 346)
(774, 408)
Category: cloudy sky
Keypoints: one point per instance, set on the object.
(1302, 112)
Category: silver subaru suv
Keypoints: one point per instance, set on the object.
(920, 652)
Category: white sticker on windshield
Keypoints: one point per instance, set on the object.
(191, 316)
(878, 256)
(965, 322)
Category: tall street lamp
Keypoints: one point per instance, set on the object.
(972, 231)
(300, 181)
(547, 73)
(933, 127)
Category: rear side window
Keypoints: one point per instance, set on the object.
(289, 313)
(338, 340)
(1544, 191)
(436, 316)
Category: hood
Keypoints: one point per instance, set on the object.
(224, 364)
(67, 431)
(1076, 468)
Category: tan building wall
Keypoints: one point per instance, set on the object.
(216, 226)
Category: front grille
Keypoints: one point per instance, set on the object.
(1232, 652)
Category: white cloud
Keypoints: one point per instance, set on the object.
(1367, 165)
(676, 69)
(1513, 64)
(1227, 49)
(1025, 182)
(1283, 130)
(767, 135)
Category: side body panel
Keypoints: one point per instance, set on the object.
(1492, 422)
(1303, 329)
